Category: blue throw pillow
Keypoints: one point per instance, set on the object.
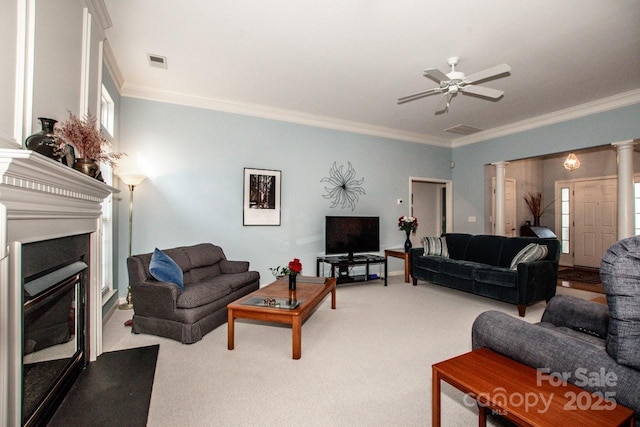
(164, 269)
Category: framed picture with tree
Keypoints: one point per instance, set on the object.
(261, 204)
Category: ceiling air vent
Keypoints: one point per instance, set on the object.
(157, 61)
(463, 130)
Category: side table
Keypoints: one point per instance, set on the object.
(398, 253)
(520, 394)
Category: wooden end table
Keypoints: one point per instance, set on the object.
(398, 253)
(521, 394)
(310, 296)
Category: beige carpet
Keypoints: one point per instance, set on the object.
(367, 363)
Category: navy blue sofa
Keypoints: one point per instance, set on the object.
(479, 264)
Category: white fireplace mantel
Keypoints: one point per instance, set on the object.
(35, 187)
(42, 199)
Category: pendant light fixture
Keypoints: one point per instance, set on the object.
(571, 163)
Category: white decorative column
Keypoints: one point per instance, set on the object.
(500, 182)
(626, 217)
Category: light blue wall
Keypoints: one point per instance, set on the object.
(195, 158)
(468, 176)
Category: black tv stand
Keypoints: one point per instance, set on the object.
(342, 264)
(353, 257)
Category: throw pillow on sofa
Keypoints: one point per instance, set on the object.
(435, 246)
(531, 252)
(164, 269)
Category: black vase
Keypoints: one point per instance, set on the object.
(46, 142)
(292, 282)
(407, 244)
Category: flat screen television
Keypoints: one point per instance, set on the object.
(351, 234)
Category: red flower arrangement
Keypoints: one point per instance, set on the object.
(408, 224)
(295, 266)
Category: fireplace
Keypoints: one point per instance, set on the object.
(50, 291)
(54, 346)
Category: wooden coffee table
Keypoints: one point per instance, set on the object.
(310, 295)
(518, 393)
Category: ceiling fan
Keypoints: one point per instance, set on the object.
(456, 81)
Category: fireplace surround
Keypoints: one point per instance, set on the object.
(43, 202)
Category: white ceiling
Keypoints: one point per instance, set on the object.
(343, 63)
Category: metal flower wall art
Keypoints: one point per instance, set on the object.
(342, 187)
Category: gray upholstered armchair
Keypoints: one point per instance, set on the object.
(582, 339)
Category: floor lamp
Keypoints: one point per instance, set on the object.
(131, 180)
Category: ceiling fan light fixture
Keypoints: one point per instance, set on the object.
(456, 81)
(571, 163)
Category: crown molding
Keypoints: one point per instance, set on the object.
(291, 116)
(611, 103)
(280, 114)
(111, 63)
(99, 12)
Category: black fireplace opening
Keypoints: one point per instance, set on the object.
(54, 344)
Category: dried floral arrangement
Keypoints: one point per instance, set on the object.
(87, 138)
(534, 203)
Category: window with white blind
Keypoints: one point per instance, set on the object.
(107, 113)
(107, 117)
(107, 232)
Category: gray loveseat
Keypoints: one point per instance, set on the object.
(210, 283)
(480, 264)
(596, 346)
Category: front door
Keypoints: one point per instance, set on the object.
(595, 220)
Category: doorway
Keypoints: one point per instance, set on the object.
(510, 228)
(431, 202)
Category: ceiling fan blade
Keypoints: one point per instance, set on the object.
(418, 95)
(436, 75)
(482, 91)
(488, 73)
